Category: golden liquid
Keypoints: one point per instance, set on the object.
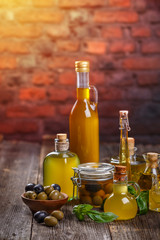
(137, 168)
(57, 168)
(84, 128)
(121, 203)
(154, 199)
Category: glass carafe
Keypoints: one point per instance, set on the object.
(121, 202)
(84, 121)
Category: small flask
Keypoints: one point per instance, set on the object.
(121, 202)
(57, 165)
(83, 120)
(145, 180)
(137, 161)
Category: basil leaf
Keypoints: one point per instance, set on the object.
(143, 202)
(131, 190)
(101, 217)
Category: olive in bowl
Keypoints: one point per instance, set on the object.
(46, 205)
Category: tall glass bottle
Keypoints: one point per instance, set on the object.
(84, 121)
(121, 202)
(124, 157)
(57, 165)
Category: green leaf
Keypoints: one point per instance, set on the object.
(101, 217)
(132, 190)
(143, 202)
(86, 209)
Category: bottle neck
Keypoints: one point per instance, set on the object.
(120, 188)
(123, 149)
(82, 79)
(120, 182)
(61, 146)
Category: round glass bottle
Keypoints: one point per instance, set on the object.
(121, 202)
(57, 165)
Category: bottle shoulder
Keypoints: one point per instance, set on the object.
(66, 154)
(85, 108)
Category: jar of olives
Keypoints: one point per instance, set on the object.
(94, 182)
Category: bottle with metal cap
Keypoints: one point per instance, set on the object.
(57, 165)
(84, 121)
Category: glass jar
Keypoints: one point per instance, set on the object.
(94, 182)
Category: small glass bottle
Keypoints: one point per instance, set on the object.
(57, 165)
(145, 180)
(121, 202)
(83, 120)
(124, 158)
(137, 161)
(150, 180)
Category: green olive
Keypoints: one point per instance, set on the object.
(42, 196)
(97, 200)
(57, 214)
(31, 195)
(86, 199)
(49, 189)
(50, 221)
(45, 187)
(61, 196)
(54, 195)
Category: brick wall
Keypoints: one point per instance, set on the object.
(41, 39)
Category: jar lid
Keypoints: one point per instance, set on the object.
(96, 171)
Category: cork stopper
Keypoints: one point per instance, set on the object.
(120, 173)
(131, 145)
(61, 137)
(152, 156)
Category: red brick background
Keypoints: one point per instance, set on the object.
(41, 39)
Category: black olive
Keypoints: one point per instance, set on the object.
(38, 188)
(40, 216)
(56, 187)
(92, 187)
(29, 187)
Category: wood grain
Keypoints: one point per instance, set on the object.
(21, 163)
(18, 166)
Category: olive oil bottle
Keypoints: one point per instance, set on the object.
(57, 165)
(137, 161)
(121, 202)
(83, 120)
(150, 180)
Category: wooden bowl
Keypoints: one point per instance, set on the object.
(46, 205)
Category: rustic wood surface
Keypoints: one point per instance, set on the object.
(20, 163)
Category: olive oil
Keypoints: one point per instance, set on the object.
(83, 120)
(146, 179)
(124, 158)
(120, 202)
(154, 199)
(57, 166)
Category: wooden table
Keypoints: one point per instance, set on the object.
(21, 163)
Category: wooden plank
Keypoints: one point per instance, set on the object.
(141, 227)
(18, 166)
